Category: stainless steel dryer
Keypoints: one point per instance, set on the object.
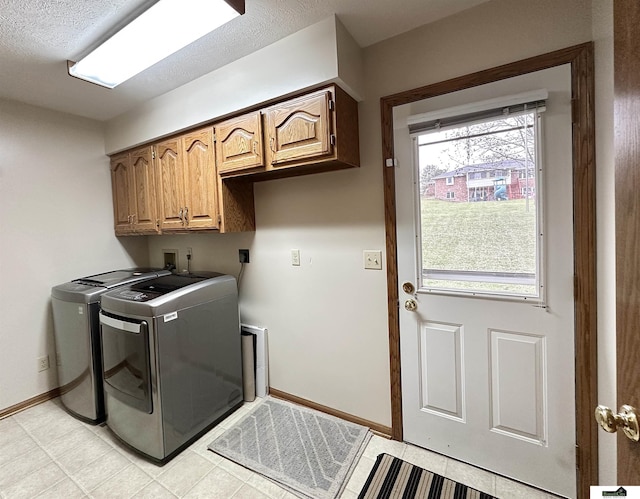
(77, 338)
(172, 361)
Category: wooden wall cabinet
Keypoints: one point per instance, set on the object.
(186, 182)
(133, 188)
(320, 129)
(191, 182)
(239, 146)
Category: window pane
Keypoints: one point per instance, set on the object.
(478, 207)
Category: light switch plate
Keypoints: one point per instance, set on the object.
(372, 259)
(295, 257)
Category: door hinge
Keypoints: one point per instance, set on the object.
(219, 219)
(214, 136)
(577, 457)
(153, 153)
(391, 162)
(332, 139)
(332, 104)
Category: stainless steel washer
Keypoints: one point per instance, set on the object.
(172, 360)
(77, 338)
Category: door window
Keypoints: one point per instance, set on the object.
(483, 237)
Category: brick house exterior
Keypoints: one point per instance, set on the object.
(483, 182)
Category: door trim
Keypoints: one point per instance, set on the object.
(580, 57)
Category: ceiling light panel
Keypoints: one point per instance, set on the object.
(163, 29)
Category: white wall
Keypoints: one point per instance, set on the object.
(56, 224)
(605, 190)
(301, 60)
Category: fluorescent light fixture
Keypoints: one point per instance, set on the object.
(163, 29)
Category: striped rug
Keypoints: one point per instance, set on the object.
(393, 478)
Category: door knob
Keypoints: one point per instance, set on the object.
(627, 419)
(411, 305)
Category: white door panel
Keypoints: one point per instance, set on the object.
(491, 381)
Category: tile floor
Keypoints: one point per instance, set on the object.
(46, 453)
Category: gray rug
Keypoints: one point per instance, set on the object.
(308, 452)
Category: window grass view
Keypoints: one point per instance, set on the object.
(478, 216)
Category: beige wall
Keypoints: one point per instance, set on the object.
(301, 60)
(55, 225)
(327, 319)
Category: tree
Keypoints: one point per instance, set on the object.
(509, 138)
(427, 172)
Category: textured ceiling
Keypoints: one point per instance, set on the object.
(37, 37)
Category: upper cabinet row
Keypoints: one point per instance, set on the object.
(203, 179)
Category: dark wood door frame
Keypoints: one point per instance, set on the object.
(580, 57)
(626, 15)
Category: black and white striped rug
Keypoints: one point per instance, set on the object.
(393, 478)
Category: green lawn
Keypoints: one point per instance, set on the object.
(491, 236)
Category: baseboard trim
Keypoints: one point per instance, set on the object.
(383, 431)
(38, 399)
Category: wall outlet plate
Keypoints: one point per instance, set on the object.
(43, 363)
(243, 255)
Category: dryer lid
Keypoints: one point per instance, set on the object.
(167, 284)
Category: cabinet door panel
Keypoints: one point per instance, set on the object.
(299, 129)
(200, 180)
(142, 191)
(122, 211)
(170, 184)
(239, 143)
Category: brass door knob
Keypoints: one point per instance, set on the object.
(627, 419)
(411, 305)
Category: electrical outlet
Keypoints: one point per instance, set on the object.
(243, 255)
(43, 363)
(295, 257)
(372, 259)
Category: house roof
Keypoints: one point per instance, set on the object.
(479, 167)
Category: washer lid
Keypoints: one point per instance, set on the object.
(119, 277)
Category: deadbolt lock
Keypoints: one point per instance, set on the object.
(408, 287)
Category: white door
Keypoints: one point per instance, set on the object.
(485, 237)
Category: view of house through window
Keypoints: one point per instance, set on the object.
(478, 204)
